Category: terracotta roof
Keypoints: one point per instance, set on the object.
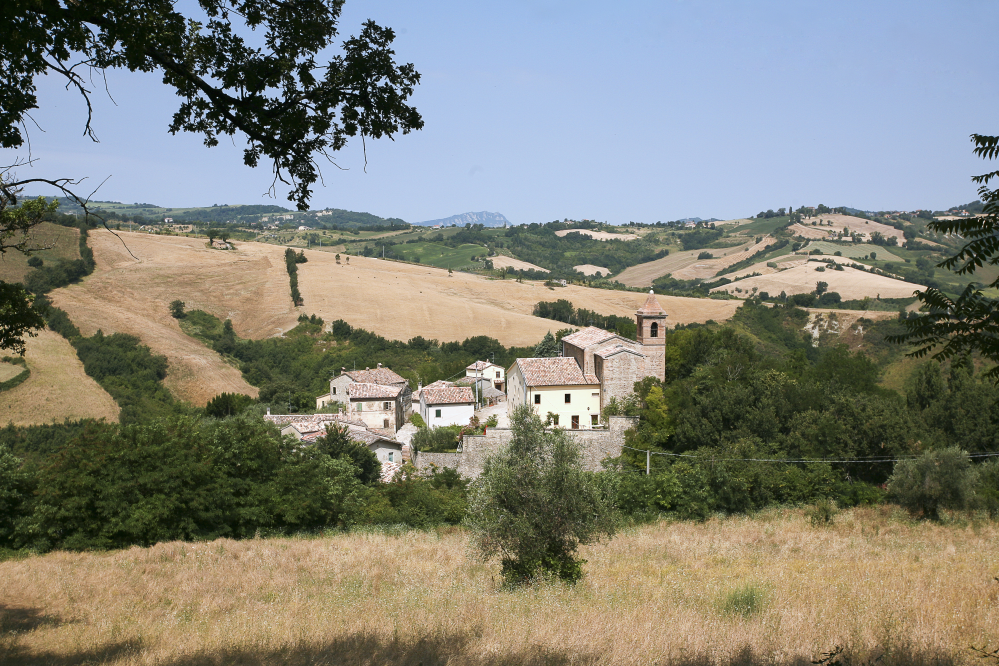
(440, 383)
(363, 391)
(451, 395)
(651, 306)
(558, 371)
(590, 335)
(613, 350)
(480, 365)
(285, 419)
(471, 381)
(591, 379)
(376, 376)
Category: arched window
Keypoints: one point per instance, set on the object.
(654, 330)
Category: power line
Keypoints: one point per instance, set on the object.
(867, 459)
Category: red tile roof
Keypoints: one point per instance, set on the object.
(590, 335)
(558, 371)
(376, 376)
(451, 395)
(613, 350)
(481, 365)
(651, 306)
(363, 391)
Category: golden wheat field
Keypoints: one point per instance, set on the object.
(773, 589)
(57, 388)
(849, 283)
(685, 265)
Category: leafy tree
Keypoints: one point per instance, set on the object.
(954, 328)
(18, 317)
(289, 108)
(177, 309)
(548, 347)
(15, 489)
(821, 288)
(534, 505)
(942, 479)
(227, 404)
(337, 444)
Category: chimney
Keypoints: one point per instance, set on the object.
(379, 366)
(268, 411)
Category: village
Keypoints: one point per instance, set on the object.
(570, 391)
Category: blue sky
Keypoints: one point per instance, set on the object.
(639, 111)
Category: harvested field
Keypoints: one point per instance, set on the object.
(63, 243)
(850, 283)
(840, 222)
(888, 590)
(853, 250)
(597, 235)
(57, 389)
(502, 261)
(708, 268)
(813, 233)
(401, 301)
(248, 285)
(590, 269)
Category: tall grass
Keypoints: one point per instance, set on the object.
(773, 589)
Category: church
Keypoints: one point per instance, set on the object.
(595, 366)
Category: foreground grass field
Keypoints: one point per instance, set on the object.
(773, 589)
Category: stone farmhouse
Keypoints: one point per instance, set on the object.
(380, 397)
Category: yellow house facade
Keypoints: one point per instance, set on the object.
(555, 386)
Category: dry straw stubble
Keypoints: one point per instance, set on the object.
(876, 584)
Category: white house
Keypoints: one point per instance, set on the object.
(449, 405)
(494, 373)
(555, 386)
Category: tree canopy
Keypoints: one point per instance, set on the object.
(291, 108)
(954, 328)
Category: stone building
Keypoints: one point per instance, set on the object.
(380, 376)
(618, 362)
(377, 405)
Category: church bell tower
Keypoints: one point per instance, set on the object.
(651, 320)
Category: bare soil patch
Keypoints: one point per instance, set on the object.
(502, 261)
(57, 389)
(597, 235)
(248, 285)
(590, 269)
(850, 283)
(916, 593)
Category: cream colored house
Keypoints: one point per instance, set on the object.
(555, 386)
(487, 370)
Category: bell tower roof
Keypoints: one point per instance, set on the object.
(651, 307)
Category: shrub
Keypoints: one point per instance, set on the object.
(437, 440)
(177, 309)
(745, 600)
(940, 479)
(417, 420)
(35, 262)
(227, 404)
(534, 505)
(705, 255)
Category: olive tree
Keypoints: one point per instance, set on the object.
(534, 504)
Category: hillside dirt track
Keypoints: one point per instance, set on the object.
(849, 283)
(125, 295)
(57, 389)
(401, 301)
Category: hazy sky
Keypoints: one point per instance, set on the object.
(621, 111)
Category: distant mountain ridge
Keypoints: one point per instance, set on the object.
(484, 218)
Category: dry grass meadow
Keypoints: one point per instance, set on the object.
(503, 261)
(773, 589)
(685, 265)
(57, 389)
(60, 243)
(597, 235)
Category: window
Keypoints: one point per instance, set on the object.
(654, 330)
(360, 406)
(594, 421)
(391, 454)
(537, 398)
(437, 413)
(333, 390)
(575, 422)
(497, 374)
(554, 419)
(596, 395)
(385, 423)
(386, 406)
(568, 398)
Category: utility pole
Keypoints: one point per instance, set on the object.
(648, 459)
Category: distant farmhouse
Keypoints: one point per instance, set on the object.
(380, 398)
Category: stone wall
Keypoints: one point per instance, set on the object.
(596, 446)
